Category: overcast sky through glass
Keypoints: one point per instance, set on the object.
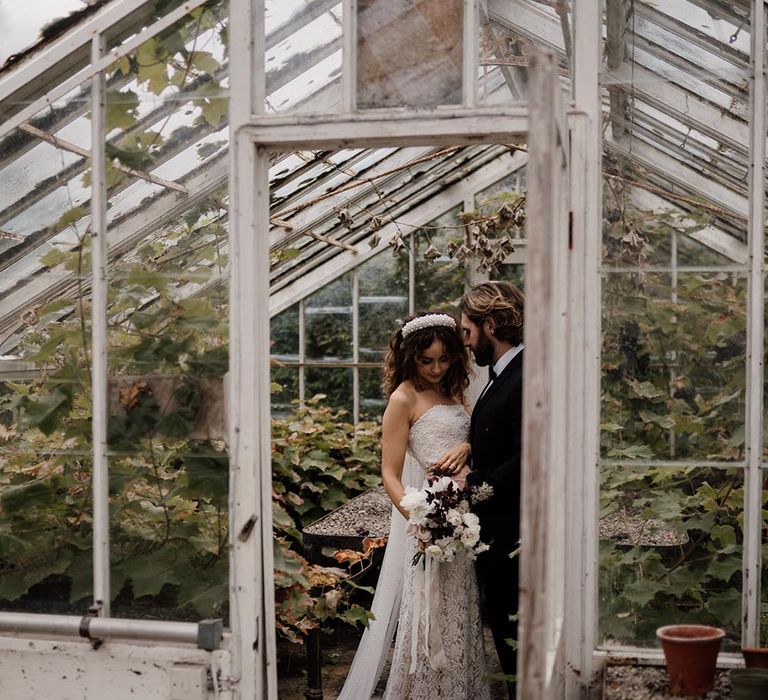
(21, 20)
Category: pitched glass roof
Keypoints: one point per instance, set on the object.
(676, 105)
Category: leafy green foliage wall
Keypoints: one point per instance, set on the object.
(673, 390)
(168, 489)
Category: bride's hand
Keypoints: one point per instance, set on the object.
(452, 461)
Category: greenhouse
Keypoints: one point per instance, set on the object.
(214, 217)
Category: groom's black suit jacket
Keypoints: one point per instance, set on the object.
(495, 435)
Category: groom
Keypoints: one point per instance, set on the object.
(492, 326)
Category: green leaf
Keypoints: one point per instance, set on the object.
(633, 452)
(641, 592)
(53, 257)
(150, 572)
(44, 411)
(204, 61)
(13, 586)
(723, 567)
(121, 111)
(70, 216)
(724, 534)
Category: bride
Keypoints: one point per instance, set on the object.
(439, 648)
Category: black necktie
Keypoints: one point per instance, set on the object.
(491, 374)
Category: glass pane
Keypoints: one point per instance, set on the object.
(372, 401)
(285, 389)
(664, 236)
(328, 322)
(169, 467)
(45, 456)
(167, 117)
(45, 349)
(335, 383)
(670, 552)
(378, 322)
(384, 275)
(674, 366)
(409, 53)
(508, 33)
(303, 55)
(439, 281)
(284, 334)
(677, 141)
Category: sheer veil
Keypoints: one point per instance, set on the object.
(372, 652)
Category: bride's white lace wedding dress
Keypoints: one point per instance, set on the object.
(401, 598)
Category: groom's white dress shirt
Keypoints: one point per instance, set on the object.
(501, 364)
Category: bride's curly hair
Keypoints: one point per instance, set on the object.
(400, 363)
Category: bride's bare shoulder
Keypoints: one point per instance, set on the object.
(405, 394)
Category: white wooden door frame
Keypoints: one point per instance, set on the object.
(541, 647)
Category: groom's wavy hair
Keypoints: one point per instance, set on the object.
(400, 363)
(503, 302)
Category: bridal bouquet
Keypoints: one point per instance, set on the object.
(440, 518)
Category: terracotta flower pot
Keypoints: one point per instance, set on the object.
(755, 657)
(691, 654)
(749, 683)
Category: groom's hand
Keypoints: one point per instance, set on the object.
(461, 477)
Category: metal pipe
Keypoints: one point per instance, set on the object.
(205, 634)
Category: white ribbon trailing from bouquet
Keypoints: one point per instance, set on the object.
(427, 591)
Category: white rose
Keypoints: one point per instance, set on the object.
(413, 498)
(441, 484)
(453, 516)
(469, 537)
(415, 502)
(434, 551)
(471, 520)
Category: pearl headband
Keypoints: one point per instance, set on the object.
(428, 321)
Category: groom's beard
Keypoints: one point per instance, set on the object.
(483, 352)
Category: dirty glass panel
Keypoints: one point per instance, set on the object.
(334, 383)
(508, 35)
(328, 322)
(640, 230)
(45, 456)
(673, 366)
(303, 55)
(439, 277)
(409, 53)
(372, 400)
(382, 304)
(45, 350)
(670, 552)
(677, 142)
(284, 345)
(167, 109)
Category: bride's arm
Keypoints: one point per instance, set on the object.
(394, 429)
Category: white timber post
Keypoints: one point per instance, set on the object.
(582, 584)
(250, 532)
(543, 382)
(100, 478)
(755, 335)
